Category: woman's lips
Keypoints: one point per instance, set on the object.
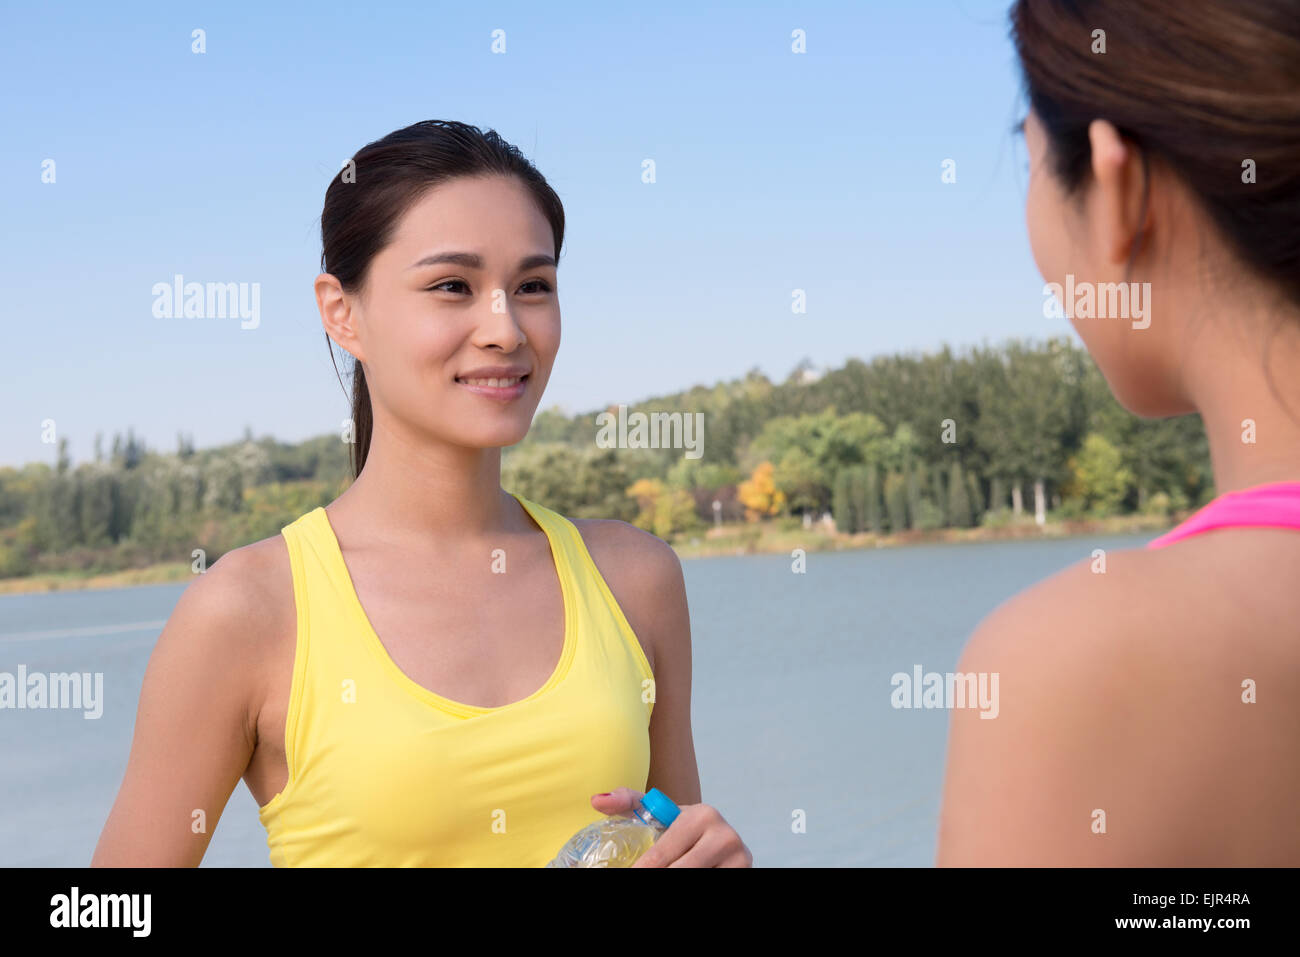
(501, 389)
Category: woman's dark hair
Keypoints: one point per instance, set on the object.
(1204, 85)
(367, 198)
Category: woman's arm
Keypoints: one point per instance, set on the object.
(195, 727)
(1016, 784)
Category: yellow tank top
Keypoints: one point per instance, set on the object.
(385, 773)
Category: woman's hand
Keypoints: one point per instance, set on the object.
(699, 837)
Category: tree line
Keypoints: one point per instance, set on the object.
(948, 439)
(901, 442)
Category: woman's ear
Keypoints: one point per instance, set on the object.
(1118, 199)
(336, 314)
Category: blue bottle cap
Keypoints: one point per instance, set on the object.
(658, 804)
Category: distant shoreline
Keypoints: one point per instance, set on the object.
(734, 540)
(728, 541)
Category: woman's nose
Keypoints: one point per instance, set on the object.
(497, 325)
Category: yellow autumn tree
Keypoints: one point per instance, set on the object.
(759, 494)
(663, 511)
(646, 492)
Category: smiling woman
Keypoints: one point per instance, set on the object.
(307, 663)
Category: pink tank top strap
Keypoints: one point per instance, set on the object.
(1275, 505)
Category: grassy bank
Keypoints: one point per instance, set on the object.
(160, 574)
(771, 538)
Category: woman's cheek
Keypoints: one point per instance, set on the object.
(1037, 226)
(543, 334)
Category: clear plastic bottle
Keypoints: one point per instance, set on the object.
(619, 841)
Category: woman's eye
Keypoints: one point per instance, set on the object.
(457, 285)
(447, 282)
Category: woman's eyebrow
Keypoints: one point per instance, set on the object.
(475, 261)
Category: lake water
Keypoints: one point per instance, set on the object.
(790, 700)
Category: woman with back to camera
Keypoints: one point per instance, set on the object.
(1148, 711)
(429, 671)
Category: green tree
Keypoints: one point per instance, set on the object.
(896, 501)
(871, 493)
(959, 503)
(1100, 479)
(803, 483)
(976, 499)
(842, 504)
(939, 495)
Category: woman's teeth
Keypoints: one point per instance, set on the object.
(494, 383)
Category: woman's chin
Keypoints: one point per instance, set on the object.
(495, 436)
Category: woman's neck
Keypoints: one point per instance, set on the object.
(1245, 381)
(412, 488)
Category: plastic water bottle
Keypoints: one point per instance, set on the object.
(619, 841)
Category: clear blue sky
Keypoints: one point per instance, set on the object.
(776, 171)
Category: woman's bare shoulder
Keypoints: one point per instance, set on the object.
(1222, 589)
(645, 576)
(623, 545)
(1130, 685)
(253, 583)
(245, 601)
